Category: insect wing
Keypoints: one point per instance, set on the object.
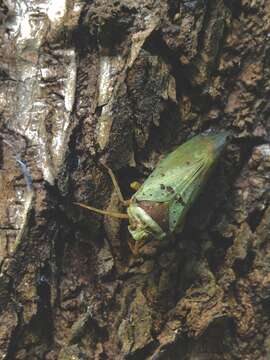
(187, 193)
(172, 174)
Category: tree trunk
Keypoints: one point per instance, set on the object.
(123, 83)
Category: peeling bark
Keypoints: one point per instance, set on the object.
(123, 83)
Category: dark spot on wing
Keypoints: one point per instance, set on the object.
(180, 200)
(162, 186)
(170, 189)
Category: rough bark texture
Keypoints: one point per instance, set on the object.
(124, 82)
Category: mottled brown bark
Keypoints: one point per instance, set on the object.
(124, 82)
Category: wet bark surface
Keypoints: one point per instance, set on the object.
(123, 83)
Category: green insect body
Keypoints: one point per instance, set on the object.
(159, 207)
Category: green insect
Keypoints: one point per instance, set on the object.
(160, 205)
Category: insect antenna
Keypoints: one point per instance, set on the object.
(103, 212)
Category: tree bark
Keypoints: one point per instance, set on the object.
(123, 83)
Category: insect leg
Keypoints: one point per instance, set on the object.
(117, 188)
(134, 247)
